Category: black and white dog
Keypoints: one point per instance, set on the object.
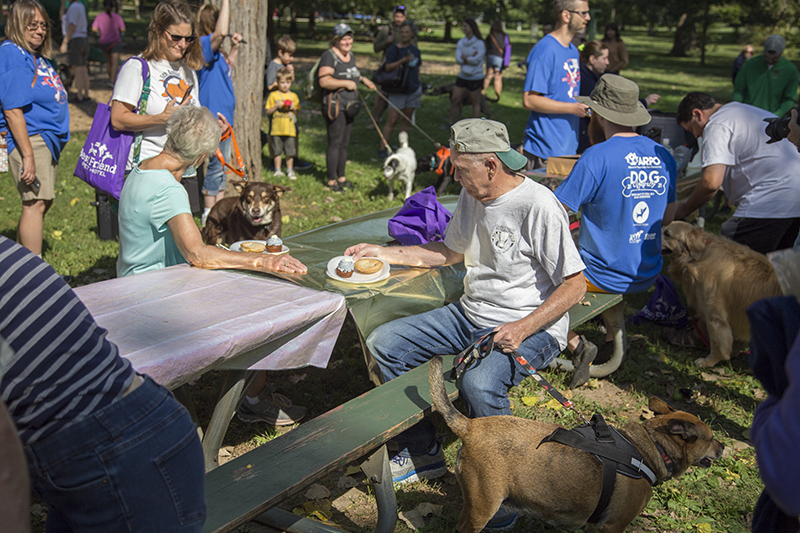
(402, 166)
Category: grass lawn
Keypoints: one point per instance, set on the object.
(717, 500)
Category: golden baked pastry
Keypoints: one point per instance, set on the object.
(256, 247)
(368, 265)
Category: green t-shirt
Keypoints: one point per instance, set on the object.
(149, 199)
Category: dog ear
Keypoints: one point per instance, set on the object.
(279, 190)
(684, 428)
(659, 406)
(239, 186)
(695, 241)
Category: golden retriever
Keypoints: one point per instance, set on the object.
(720, 278)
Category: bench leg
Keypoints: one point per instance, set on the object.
(377, 470)
(616, 320)
(232, 389)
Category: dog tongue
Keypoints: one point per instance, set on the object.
(256, 220)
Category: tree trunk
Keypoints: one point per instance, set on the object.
(312, 24)
(448, 31)
(293, 21)
(682, 37)
(249, 17)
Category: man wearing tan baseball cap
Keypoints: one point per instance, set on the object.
(523, 275)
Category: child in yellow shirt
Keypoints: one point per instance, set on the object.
(282, 105)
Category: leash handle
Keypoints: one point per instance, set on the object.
(476, 351)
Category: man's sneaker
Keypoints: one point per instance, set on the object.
(290, 173)
(278, 174)
(503, 520)
(272, 408)
(407, 468)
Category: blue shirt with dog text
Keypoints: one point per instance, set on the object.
(31, 84)
(622, 187)
(149, 200)
(216, 81)
(553, 71)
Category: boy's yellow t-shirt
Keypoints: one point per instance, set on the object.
(283, 122)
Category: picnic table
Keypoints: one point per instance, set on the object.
(177, 323)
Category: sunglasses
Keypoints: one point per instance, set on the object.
(33, 26)
(584, 14)
(177, 38)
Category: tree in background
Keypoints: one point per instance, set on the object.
(249, 17)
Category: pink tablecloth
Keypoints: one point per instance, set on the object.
(177, 323)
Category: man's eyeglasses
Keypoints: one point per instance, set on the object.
(584, 14)
(33, 26)
(177, 38)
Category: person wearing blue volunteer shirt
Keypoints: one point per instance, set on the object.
(624, 186)
(216, 90)
(552, 85)
(35, 112)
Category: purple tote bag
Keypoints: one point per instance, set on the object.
(421, 219)
(101, 162)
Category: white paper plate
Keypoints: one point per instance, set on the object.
(358, 278)
(237, 247)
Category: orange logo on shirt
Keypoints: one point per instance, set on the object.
(175, 90)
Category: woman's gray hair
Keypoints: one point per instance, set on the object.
(191, 132)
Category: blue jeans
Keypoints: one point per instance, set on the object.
(136, 466)
(214, 181)
(403, 344)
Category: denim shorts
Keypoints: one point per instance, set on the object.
(402, 101)
(135, 465)
(495, 62)
(214, 180)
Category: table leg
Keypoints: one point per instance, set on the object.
(183, 395)
(232, 389)
(377, 470)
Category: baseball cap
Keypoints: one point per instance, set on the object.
(482, 136)
(399, 9)
(774, 45)
(616, 99)
(342, 29)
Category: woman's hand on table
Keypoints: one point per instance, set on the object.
(364, 250)
(281, 263)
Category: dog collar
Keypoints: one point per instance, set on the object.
(666, 458)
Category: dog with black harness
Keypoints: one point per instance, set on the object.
(598, 475)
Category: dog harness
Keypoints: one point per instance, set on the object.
(440, 162)
(613, 450)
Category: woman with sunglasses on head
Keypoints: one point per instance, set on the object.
(35, 113)
(173, 53)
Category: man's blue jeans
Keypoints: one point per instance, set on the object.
(405, 343)
(135, 465)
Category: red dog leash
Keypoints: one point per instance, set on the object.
(238, 171)
(480, 349)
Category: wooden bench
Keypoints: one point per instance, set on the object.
(245, 487)
(249, 486)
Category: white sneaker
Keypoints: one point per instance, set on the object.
(291, 174)
(278, 174)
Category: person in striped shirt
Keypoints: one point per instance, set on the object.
(107, 449)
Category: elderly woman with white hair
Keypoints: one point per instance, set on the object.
(156, 228)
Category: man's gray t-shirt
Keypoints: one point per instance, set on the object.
(517, 250)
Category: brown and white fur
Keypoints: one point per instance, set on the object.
(401, 166)
(501, 461)
(254, 215)
(720, 279)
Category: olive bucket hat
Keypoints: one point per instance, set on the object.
(616, 99)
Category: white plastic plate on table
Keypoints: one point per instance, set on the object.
(237, 247)
(357, 277)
